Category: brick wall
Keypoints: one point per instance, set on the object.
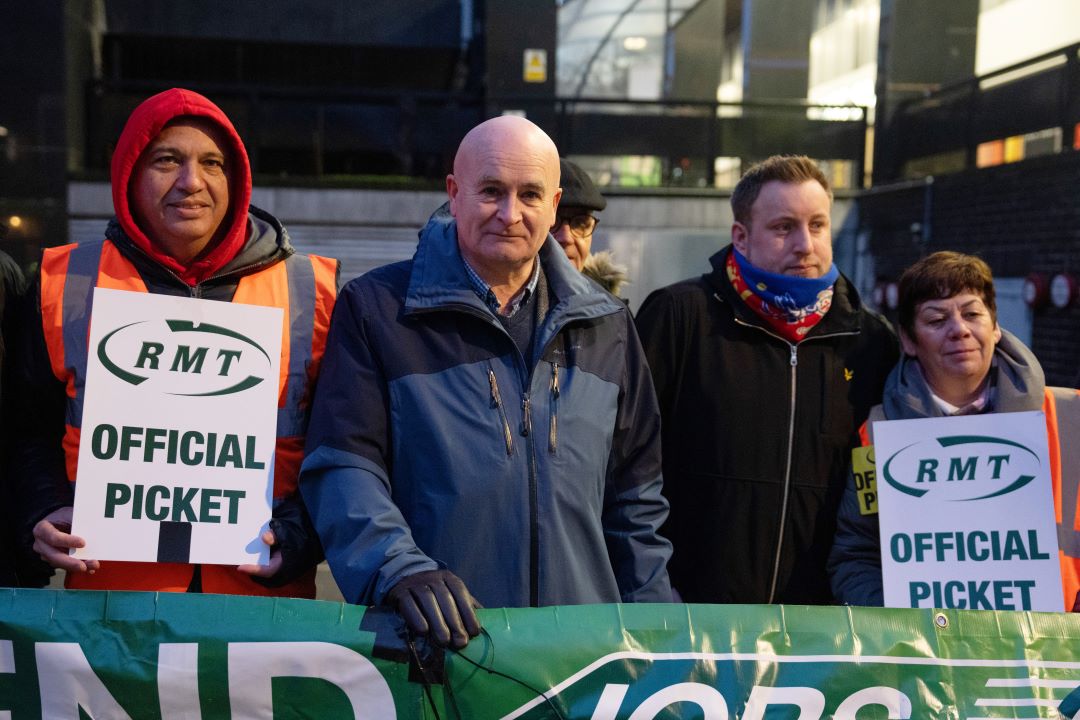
(1020, 218)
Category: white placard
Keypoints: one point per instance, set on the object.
(966, 513)
(176, 457)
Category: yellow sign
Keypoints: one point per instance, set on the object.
(862, 467)
(535, 65)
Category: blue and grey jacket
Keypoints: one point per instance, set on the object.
(433, 442)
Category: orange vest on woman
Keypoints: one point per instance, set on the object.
(1062, 408)
(305, 287)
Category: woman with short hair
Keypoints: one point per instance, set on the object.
(958, 361)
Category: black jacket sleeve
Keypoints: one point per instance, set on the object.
(16, 567)
(38, 478)
(635, 507)
(659, 326)
(854, 564)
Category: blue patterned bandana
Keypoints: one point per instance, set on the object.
(793, 296)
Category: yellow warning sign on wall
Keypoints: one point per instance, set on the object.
(535, 65)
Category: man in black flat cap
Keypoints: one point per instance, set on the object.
(575, 224)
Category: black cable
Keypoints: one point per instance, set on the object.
(449, 695)
(424, 677)
(492, 671)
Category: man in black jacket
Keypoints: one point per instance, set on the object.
(15, 568)
(764, 368)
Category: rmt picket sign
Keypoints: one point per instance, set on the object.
(178, 429)
(967, 513)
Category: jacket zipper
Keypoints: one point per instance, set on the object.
(526, 431)
(496, 402)
(534, 502)
(526, 415)
(791, 437)
(787, 471)
(553, 430)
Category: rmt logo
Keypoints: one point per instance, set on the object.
(181, 357)
(977, 467)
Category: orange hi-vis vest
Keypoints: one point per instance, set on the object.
(304, 286)
(1062, 409)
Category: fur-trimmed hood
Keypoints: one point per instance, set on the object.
(602, 268)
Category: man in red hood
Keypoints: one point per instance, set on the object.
(181, 187)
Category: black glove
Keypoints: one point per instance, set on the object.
(436, 603)
(297, 539)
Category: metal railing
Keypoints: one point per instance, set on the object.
(1041, 93)
(326, 135)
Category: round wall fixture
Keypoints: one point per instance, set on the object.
(892, 295)
(878, 295)
(1062, 290)
(1036, 290)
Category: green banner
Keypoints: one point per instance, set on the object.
(103, 655)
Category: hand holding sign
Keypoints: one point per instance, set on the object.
(52, 541)
(271, 569)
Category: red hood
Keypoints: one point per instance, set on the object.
(142, 127)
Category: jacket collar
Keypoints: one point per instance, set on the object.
(267, 242)
(1015, 374)
(438, 278)
(843, 316)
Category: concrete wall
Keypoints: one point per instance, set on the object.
(660, 239)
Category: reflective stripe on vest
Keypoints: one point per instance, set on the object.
(1065, 466)
(866, 430)
(1062, 408)
(78, 299)
(304, 285)
(292, 416)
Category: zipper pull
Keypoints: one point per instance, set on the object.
(496, 401)
(526, 420)
(794, 355)
(553, 430)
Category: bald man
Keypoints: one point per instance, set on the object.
(485, 430)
